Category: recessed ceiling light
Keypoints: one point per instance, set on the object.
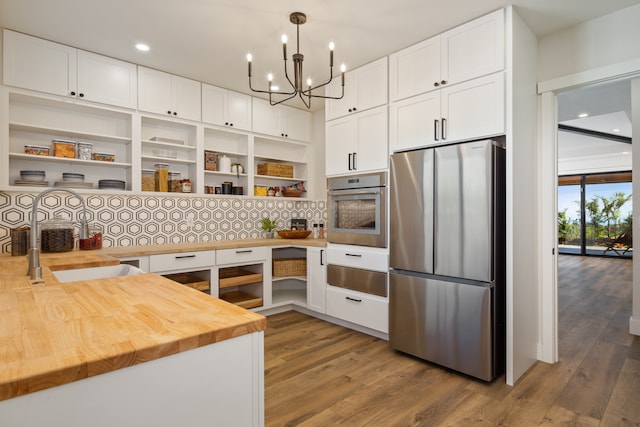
(583, 115)
(142, 47)
(616, 130)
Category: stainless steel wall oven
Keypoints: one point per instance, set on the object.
(357, 210)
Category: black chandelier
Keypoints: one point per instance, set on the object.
(297, 18)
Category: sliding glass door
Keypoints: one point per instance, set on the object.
(595, 214)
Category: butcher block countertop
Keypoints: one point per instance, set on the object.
(55, 333)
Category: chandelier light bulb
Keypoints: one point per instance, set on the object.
(249, 57)
(332, 46)
(343, 68)
(284, 38)
(309, 82)
(270, 77)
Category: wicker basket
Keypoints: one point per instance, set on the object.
(275, 169)
(289, 267)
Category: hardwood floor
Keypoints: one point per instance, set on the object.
(320, 374)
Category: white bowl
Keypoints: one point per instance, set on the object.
(72, 177)
(32, 176)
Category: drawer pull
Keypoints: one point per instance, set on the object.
(355, 255)
(353, 299)
(185, 256)
(246, 251)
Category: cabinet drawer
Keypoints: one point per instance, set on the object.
(181, 261)
(375, 259)
(356, 307)
(242, 255)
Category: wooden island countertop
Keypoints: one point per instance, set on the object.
(56, 333)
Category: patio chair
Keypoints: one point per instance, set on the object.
(620, 244)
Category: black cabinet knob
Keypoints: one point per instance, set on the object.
(436, 84)
(175, 113)
(81, 95)
(443, 82)
(349, 109)
(73, 93)
(226, 123)
(231, 124)
(168, 112)
(355, 109)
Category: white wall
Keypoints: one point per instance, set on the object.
(315, 174)
(603, 41)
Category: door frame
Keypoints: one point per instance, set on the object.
(548, 151)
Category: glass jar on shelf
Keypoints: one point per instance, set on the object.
(148, 180)
(175, 184)
(162, 177)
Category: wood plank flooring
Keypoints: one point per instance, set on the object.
(320, 374)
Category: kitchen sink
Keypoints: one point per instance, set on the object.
(93, 273)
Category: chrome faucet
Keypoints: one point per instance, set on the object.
(35, 271)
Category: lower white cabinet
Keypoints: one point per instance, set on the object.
(356, 307)
(376, 259)
(181, 261)
(316, 279)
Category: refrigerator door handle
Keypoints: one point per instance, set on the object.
(435, 130)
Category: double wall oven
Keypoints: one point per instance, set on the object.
(357, 233)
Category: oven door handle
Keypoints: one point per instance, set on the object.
(374, 191)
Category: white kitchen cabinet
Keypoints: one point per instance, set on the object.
(363, 309)
(471, 50)
(223, 107)
(41, 65)
(365, 88)
(168, 94)
(469, 110)
(281, 120)
(244, 276)
(357, 143)
(316, 279)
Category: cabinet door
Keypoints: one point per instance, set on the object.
(266, 118)
(107, 80)
(474, 49)
(316, 279)
(415, 122)
(365, 87)
(154, 91)
(341, 142)
(186, 98)
(33, 63)
(372, 129)
(474, 109)
(371, 88)
(296, 123)
(213, 105)
(335, 108)
(415, 70)
(238, 107)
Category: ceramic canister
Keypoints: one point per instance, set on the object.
(224, 164)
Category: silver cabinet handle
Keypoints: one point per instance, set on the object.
(246, 251)
(185, 256)
(354, 162)
(435, 130)
(353, 299)
(349, 161)
(355, 255)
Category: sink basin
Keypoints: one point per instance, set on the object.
(93, 273)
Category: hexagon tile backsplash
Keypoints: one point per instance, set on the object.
(129, 220)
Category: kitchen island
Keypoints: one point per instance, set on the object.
(129, 350)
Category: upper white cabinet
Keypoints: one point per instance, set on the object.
(223, 107)
(465, 111)
(41, 65)
(357, 143)
(472, 50)
(281, 121)
(365, 88)
(164, 93)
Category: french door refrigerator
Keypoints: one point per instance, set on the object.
(447, 256)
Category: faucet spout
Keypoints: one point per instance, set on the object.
(35, 271)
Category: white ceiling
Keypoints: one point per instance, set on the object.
(208, 40)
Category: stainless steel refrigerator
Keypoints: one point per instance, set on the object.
(447, 256)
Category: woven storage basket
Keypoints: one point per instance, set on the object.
(289, 267)
(275, 169)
